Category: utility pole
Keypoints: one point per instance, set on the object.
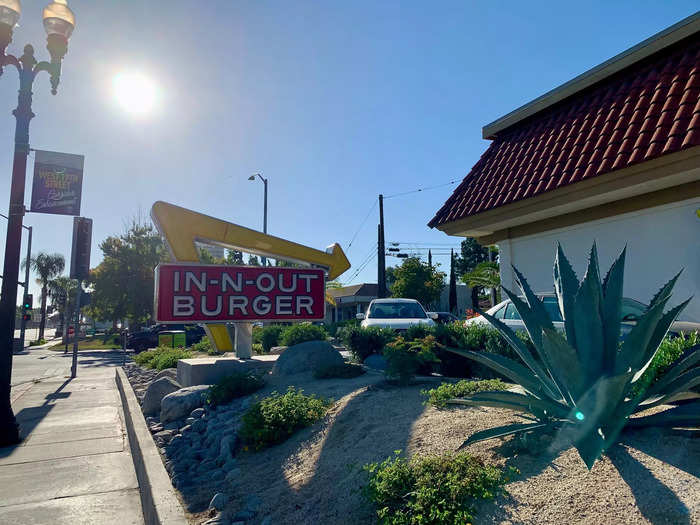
(381, 253)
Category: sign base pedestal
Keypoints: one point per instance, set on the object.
(244, 340)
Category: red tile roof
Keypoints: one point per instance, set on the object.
(645, 111)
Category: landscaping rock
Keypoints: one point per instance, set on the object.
(306, 357)
(197, 413)
(376, 361)
(219, 501)
(168, 372)
(155, 394)
(163, 437)
(199, 425)
(180, 403)
(219, 519)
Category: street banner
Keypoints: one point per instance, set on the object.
(195, 293)
(58, 183)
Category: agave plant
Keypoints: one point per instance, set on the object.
(580, 383)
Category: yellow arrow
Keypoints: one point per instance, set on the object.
(182, 227)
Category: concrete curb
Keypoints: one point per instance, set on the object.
(158, 498)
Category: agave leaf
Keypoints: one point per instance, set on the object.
(590, 446)
(633, 348)
(683, 415)
(683, 363)
(588, 323)
(665, 290)
(565, 285)
(536, 306)
(503, 431)
(647, 355)
(524, 353)
(511, 369)
(612, 309)
(565, 366)
(682, 383)
(514, 401)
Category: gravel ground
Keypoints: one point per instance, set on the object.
(316, 476)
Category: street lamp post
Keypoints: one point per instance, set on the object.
(59, 22)
(252, 177)
(23, 326)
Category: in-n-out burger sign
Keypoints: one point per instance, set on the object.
(211, 293)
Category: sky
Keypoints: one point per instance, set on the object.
(333, 102)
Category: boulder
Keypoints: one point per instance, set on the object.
(376, 361)
(219, 501)
(306, 357)
(155, 394)
(168, 372)
(181, 403)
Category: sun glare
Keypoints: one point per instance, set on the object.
(135, 92)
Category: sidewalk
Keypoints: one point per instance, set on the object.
(74, 465)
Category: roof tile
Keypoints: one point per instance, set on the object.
(650, 109)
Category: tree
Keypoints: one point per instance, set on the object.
(205, 257)
(415, 279)
(485, 275)
(472, 254)
(124, 280)
(234, 257)
(253, 260)
(390, 277)
(453, 284)
(46, 266)
(62, 293)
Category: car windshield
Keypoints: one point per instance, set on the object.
(396, 311)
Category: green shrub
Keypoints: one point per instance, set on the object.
(336, 329)
(270, 336)
(670, 349)
(37, 342)
(405, 358)
(418, 331)
(439, 396)
(205, 346)
(344, 371)
(440, 489)
(258, 348)
(232, 386)
(257, 334)
(363, 342)
(162, 357)
(300, 333)
(276, 417)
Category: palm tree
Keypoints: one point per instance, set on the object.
(62, 291)
(46, 266)
(485, 275)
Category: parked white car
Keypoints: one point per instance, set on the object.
(631, 311)
(397, 314)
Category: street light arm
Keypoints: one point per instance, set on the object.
(9, 60)
(53, 68)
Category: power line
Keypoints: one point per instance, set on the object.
(365, 260)
(422, 189)
(374, 204)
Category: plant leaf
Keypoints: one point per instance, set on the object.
(633, 347)
(647, 355)
(514, 401)
(565, 366)
(612, 309)
(588, 324)
(683, 415)
(511, 369)
(523, 352)
(503, 431)
(665, 290)
(565, 285)
(536, 306)
(682, 383)
(679, 366)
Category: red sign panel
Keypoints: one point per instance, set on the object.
(199, 293)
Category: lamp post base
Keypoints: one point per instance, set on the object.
(9, 430)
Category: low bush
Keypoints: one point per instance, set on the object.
(232, 386)
(670, 349)
(276, 417)
(336, 329)
(258, 348)
(405, 358)
(363, 342)
(418, 331)
(344, 371)
(205, 347)
(440, 489)
(162, 357)
(37, 342)
(257, 334)
(270, 336)
(439, 396)
(301, 333)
